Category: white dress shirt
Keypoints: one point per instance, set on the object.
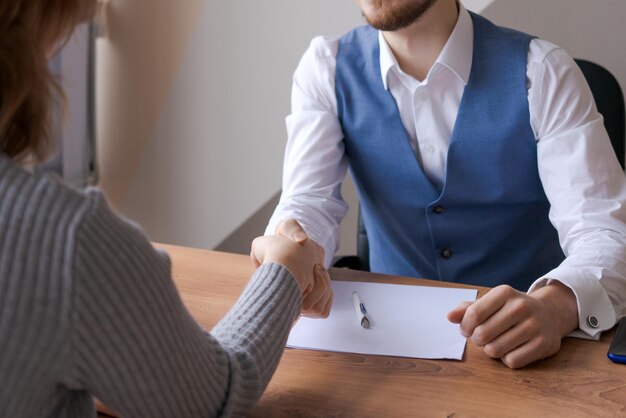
(581, 177)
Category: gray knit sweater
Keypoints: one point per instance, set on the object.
(88, 307)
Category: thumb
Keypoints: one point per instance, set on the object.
(257, 251)
(456, 315)
(291, 229)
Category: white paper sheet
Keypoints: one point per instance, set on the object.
(406, 321)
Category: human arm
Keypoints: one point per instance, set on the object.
(587, 191)
(314, 162)
(136, 347)
(516, 327)
(318, 300)
(586, 188)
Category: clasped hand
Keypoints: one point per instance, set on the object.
(304, 258)
(516, 327)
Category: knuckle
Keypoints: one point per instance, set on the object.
(479, 336)
(541, 341)
(280, 225)
(491, 350)
(472, 315)
(284, 226)
(532, 325)
(520, 307)
(505, 290)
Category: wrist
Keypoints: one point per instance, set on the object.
(562, 304)
(289, 266)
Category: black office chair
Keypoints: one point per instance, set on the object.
(360, 261)
(610, 103)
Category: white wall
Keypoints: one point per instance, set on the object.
(593, 30)
(209, 128)
(477, 5)
(192, 98)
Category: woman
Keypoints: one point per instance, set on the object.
(87, 306)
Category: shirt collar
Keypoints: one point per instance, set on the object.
(456, 54)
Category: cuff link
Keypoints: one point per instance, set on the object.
(593, 322)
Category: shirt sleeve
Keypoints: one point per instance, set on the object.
(585, 185)
(136, 347)
(315, 163)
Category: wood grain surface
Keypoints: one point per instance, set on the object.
(577, 382)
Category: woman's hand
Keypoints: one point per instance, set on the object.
(304, 258)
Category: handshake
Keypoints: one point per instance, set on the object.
(304, 258)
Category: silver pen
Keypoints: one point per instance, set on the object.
(360, 310)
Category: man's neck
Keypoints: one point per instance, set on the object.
(417, 46)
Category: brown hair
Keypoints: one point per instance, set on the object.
(29, 29)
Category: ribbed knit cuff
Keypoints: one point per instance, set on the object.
(266, 308)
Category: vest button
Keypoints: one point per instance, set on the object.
(446, 253)
(438, 209)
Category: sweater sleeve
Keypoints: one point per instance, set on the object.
(137, 348)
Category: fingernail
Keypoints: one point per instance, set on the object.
(299, 236)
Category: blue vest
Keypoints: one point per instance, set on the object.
(489, 225)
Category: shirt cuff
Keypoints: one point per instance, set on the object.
(595, 310)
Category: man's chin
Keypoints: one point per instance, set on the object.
(389, 19)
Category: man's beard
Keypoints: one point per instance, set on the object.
(393, 17)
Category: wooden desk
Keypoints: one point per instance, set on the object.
(578, 382)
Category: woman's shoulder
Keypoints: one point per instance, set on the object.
(34, 198)
(51, 212)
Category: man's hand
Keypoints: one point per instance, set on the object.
(318, 302)
(516, 327)
(291, 247)
(290, 228)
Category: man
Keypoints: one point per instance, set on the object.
(479, 157)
